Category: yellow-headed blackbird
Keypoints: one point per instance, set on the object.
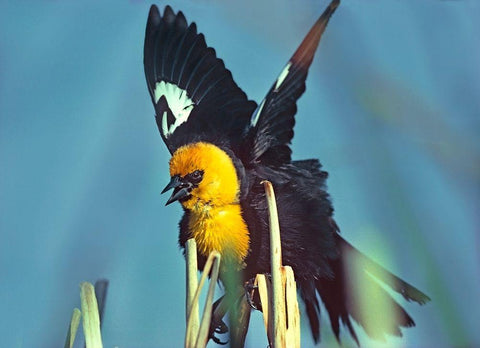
(224, 145)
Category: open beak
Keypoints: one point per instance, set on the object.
(180, 188)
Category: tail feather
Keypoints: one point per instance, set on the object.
(367, 303)
(357, 292)
(312, 307)
(408, 291)
(333, 293)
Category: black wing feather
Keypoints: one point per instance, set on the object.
(272, 122)
(177, 55)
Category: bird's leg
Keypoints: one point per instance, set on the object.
(251, 295)
(250, 288)
(217, 325)
(220, 309)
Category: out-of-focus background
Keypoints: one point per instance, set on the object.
(392, 110)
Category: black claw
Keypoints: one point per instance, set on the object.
(250, 294)
(218, 327)
(221, 328)
(250, 300)
(218, 341)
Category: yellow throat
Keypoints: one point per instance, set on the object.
(215, 219)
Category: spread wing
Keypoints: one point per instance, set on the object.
(271, 124)
(194, 95)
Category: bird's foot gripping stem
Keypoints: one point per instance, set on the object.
(251, 295)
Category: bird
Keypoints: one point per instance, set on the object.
(223, 146)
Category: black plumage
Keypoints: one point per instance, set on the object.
(257, 138)
(175, 53)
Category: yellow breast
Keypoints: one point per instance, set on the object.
(222, 229)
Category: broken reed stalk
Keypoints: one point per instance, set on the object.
(293, 312)
(92, 316)
(192, 285)
(279, 314)
(197, 335)
(282, 324)
(73, 327)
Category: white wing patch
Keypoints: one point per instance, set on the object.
(282, 76)
(256, 114)
(178, 102)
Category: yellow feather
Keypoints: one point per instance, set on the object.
(216, 220)
(221, 229)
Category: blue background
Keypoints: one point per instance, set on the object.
(391, 109)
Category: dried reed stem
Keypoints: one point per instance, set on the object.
(282, 324)
(192, 285)
(194, 336)
(91, 317)
(73, 327)
(279, 314)
(293, 312)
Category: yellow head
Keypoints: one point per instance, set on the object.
(202, 175)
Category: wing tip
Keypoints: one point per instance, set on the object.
(334, 4)
(168, 14)
(154, 15)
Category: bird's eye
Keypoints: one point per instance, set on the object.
(196, 176)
